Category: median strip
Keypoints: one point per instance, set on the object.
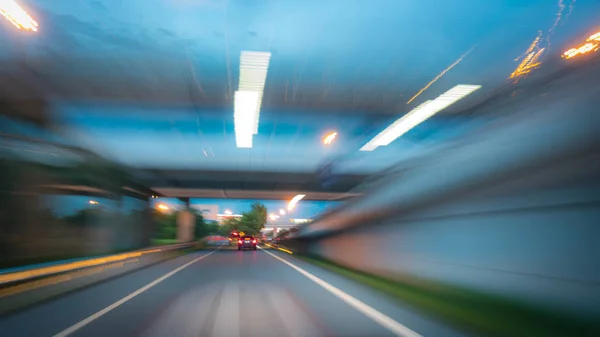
(21, 289)
(47, 281)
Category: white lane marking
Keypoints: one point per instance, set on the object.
(227, 321)
(380, 318)
(102, 312)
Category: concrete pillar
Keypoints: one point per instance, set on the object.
(148, 227)
(186, 222)
(185, 226)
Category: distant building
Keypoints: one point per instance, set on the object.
(209, 212)
(222, 217)
(300, 221)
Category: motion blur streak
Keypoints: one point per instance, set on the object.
(63, 267)
(17, 15)
(17, 276)
(592, 45)
(441, 74)
(439, 166)
(530, 61)
(559, 13)
(61, 278)
(294, 201)
(329, 138)
(571, 7)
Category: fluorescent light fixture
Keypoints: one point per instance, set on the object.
(370, 146)
(244, 116)
(253, 75)
(294, 201)
(17, 15)
(419, 115)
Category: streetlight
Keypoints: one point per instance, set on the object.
(294, 201)
(93, 202)
(329, 138)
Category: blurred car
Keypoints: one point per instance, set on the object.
(247, 242)
(233, 238)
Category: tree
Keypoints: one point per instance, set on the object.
(260, 212)
(200, 228)
(251, 223)
(167, 225)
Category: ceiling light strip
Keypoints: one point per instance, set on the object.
(253, 75)
(17, 15)
(418, 115)
(244, 115)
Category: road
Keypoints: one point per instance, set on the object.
(225, 293)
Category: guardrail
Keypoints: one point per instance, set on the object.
(61, 267)
(25, 287)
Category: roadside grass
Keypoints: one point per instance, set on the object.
(481, 313)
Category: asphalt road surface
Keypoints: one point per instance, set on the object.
(225, 293)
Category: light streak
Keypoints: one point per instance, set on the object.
(592, 44)
(530, 60)
(17, 15)
(294, 201)
(532, 46)
(418, 115)
(561, 8)
(329, 138)
(571, 6)
(441, 74)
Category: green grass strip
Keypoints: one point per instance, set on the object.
(480, 313)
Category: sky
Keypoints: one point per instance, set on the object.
(62, 205)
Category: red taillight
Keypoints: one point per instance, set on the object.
(239, 241)
(253, 241)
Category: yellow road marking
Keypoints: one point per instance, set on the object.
(60, 278)
(278, 248)
(22, 275)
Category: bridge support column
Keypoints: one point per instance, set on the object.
(186, 221)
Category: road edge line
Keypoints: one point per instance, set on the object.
(385, 321)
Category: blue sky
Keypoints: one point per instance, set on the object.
(62, 205)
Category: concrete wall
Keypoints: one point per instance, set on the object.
(539, 246)
(512, 210)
